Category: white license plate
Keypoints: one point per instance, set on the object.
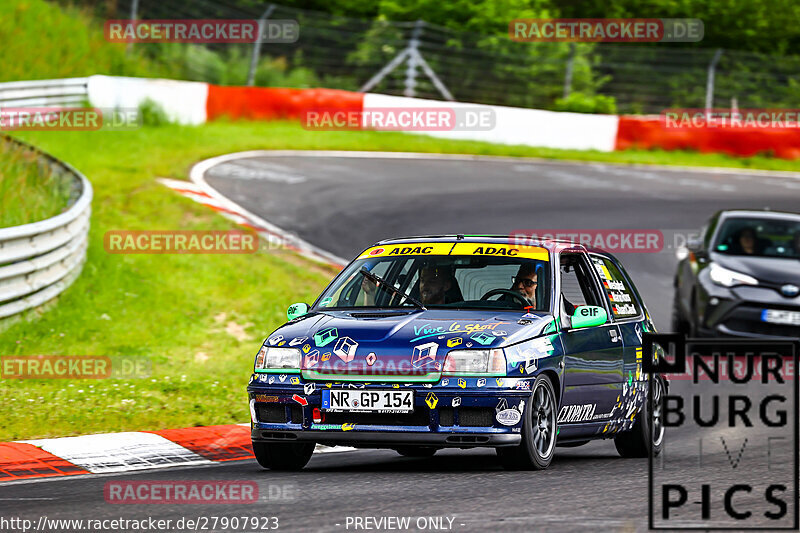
(380, 401)
(776, 316)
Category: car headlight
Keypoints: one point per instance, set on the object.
(729, 278)
(278, 358)
(475, 362)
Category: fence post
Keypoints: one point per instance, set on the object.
(251, 73)
(710, 80)
(568, 73)
(413, 60)
(134, 15)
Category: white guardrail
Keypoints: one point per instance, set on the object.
(44, 93)
(39, 260)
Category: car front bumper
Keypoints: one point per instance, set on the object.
(453, 413)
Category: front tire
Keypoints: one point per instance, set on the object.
(283, 456)
(639, 441)
(539, 429)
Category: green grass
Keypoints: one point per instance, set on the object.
(29, 191)
(199, 318)
(42, 40)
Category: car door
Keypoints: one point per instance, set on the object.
(593, 361)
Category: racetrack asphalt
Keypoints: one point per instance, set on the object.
(345, 204)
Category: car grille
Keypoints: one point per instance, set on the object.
(419, 417)
(747, 319)
(475, 416)
(275, 413)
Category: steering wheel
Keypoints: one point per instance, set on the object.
(507, 292)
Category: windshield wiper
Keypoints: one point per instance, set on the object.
(380, 282)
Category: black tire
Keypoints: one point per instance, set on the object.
(679, 324)
(283, 456)
(539, 429)
(639, 440)
(416, 451)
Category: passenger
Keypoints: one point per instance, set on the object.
(434, 284)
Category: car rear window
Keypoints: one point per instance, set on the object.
(618, 291)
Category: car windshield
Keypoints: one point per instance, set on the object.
(448, 281)
(759, 237)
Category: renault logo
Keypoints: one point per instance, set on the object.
(790, 290)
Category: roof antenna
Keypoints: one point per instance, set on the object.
(459, 237)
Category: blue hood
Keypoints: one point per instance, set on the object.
(368, 342)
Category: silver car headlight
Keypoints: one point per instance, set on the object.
(729, 278)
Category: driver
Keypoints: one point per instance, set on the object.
(526, 281)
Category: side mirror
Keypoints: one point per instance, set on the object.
(588, 316)
(296, 310)
(694, 244)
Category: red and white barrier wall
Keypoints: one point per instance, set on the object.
(196, 103)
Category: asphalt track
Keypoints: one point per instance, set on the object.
(345, 204)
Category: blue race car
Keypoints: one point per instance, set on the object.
(460, 341)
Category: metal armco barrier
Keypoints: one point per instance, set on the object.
(44, 93)
(39, 260)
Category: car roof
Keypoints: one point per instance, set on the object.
(552, 245)
(758, 213)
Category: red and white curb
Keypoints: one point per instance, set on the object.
(129, 451)
(200, 191)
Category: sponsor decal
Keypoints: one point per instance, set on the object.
(311, 360)
(483, 338)
(326, 356)
(275, 340)
(424, 354)
(325, 337)
(499, 382)
(371, 358)
(576, 413)
(306, 348)
(348, 427)
(309, 388)
(462, 383)
(501, 405)
(451, 343)
(501, 250)
(326, 302)
(445, 382)
(271, 380)
(266, 399)
(509, 417)
(481, 382)
(295, 381)
(523, 385)
(299, 399)
(456, 401)
(422, 248)
(345, 349)
(282, 378)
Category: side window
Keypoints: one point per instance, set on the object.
(577, 285)
(622, 299)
